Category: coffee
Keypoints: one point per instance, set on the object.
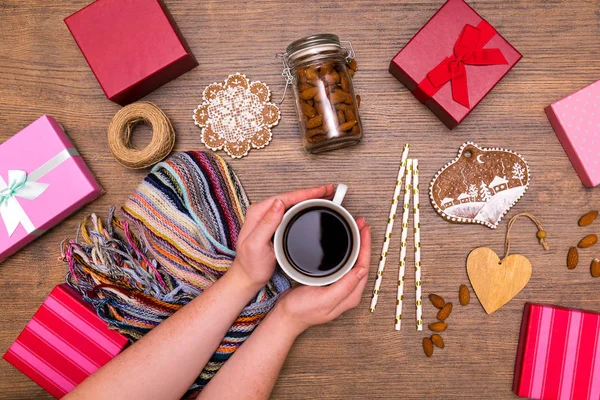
(318, 241)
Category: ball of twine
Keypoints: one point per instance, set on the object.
(121, 129)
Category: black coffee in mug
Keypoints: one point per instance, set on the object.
(317, 241)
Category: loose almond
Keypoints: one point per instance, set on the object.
(595, 268)
(437, 301)
(572, 258)
(445, 312)
(438, 326)
(588, 218)
(464, 296)
(428, 347)
(587, 241)
(437, 340)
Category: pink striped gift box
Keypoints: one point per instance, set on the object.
(559, 354)
(64, 343)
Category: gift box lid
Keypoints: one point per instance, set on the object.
(132, 46)
(64, 343)
(576, 121)
(58, 183)
(559, 354)
(435, 42)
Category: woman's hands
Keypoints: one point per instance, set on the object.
(255, 259)
(305, 306)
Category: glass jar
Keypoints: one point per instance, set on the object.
(325, 100)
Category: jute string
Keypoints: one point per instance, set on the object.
(121, 129)
(541, 234)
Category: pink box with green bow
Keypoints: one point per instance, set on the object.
(43, 179)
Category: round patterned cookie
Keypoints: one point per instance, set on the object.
(236, 115)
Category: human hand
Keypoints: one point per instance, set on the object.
(305, 306)
(255, 259)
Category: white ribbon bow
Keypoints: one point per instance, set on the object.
(10, 210)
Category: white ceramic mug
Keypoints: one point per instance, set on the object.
(335, 205)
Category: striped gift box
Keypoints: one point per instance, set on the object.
(559, 354)
(64, 343)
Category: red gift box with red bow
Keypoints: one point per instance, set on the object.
(132, 46)
(64, 343)
(559, 354)
(454, 61)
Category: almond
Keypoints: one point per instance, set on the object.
(346, 126)
(464, 296)
(311, 73)
(307, 109)
(572, 258)
(309, 93)
(314, 122)
(352, 64)
(595, 268)
(303, 86)
(588, 218)
(315, 132)
(437, 340)
(345, 83)
(438, 326)
(428, 347)
(437, 301)
(332, 78)
(587, 241)
(445, 312)
(337, 96)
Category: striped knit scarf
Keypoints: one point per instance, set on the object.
(188, 212)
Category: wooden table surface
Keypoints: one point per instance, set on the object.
(359, 355)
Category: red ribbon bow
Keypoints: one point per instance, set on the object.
(468, 50)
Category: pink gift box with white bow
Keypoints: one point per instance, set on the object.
(43, 179)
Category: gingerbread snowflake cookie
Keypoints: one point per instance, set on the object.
(480, 185)
(236, 115)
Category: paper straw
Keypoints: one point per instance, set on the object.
(390, 226)
(417, 241)
(405, 214)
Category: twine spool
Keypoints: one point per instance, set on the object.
(121, 129)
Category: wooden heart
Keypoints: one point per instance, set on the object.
(495, 283)
(480, 185)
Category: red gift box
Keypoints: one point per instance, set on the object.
(454, 61)
(64, 343)
(558, 355)
(132, 46)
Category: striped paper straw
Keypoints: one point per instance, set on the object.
(405, 214)
(390, 226)
(417, 237)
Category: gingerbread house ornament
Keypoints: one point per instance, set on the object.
(480, 185)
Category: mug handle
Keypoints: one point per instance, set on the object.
(340, 193)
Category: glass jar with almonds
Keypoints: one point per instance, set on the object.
(320, 69)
